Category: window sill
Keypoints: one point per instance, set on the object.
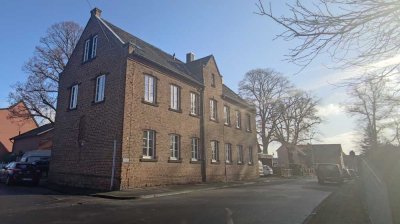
(214, 120)
(194, 115)
(196, 161)
(239, 163)
(174, 110)
(238, 128)
(72, 109)
(250, 164)
(227, 125)
(148, 160)
(150, 103)
(215, 162)
(249, 131)
(228, 163)
(98, 102)
(175, 161)
(88, 60)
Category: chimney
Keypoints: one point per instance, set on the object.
(96, 12)
(189, 57)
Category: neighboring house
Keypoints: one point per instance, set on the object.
(311, 154)
(301, 155)
(130, 115)
(11, 126)
(36, 139)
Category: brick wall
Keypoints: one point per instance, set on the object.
(89, 163)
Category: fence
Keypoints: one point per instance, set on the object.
(375, 195)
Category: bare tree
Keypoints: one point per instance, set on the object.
(39, 91)
(297, 122)
(353, 32)
(374, 102)
(264, 88)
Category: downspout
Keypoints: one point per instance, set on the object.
(202, 137)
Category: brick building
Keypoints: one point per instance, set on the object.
(130, 115)
(11, 126)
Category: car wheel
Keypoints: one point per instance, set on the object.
(8, 181)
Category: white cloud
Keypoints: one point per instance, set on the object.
(329, 110)
(346, 139)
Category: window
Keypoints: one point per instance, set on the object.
(213, 80)
(174, 146)
(228, 153)
(250, 155)
(214, 151)
(213, 110)
(149, 89)
(175, 97)
(90, 50)
(73, 100)
(248, 122)
(238, 119)
(227, 115)
(149, 137)
(94, 47)
(195, 149)
(240, 154)
(86, 51)
(100, 84)
(194, 104)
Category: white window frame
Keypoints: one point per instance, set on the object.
(227, 115)
(100, 88)
(214, 151)
(149, 137)
(248, 128)
(228, 153)
(174, 147)
(149, 88)
(195, 149)
(86, 50)
(175, 97)
(213, 110)
(94, 47)
(73, 100)
(238, 119)
(194, 104)
(251, 161)
(240, 154)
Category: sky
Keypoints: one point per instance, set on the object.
(239, 39)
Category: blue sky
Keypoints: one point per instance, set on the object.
(239, 39)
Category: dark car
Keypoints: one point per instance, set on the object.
(43, 166)
(329, 172)
(17, 172)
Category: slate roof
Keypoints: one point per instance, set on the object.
(226, 91)
(191, 70)
(34, 132)
(155, 54)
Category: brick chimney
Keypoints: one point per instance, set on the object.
(189, 57)
(96, 12)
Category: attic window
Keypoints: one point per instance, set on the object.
(90, 50)
(212, 80)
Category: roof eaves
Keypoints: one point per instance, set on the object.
(111, 30)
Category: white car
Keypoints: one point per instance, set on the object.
(264, 170)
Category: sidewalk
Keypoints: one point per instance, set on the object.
(344, 206)
(153, 192)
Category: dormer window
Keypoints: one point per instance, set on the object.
(90, 50)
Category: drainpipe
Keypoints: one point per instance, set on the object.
(113, 166)
(202, 137)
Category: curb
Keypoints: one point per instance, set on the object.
(157, 195)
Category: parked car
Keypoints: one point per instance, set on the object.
(17, 172)
(36, 155)
(43, 166)
(264, 170)
(329, 172)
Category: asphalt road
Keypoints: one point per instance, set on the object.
(271, 201)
